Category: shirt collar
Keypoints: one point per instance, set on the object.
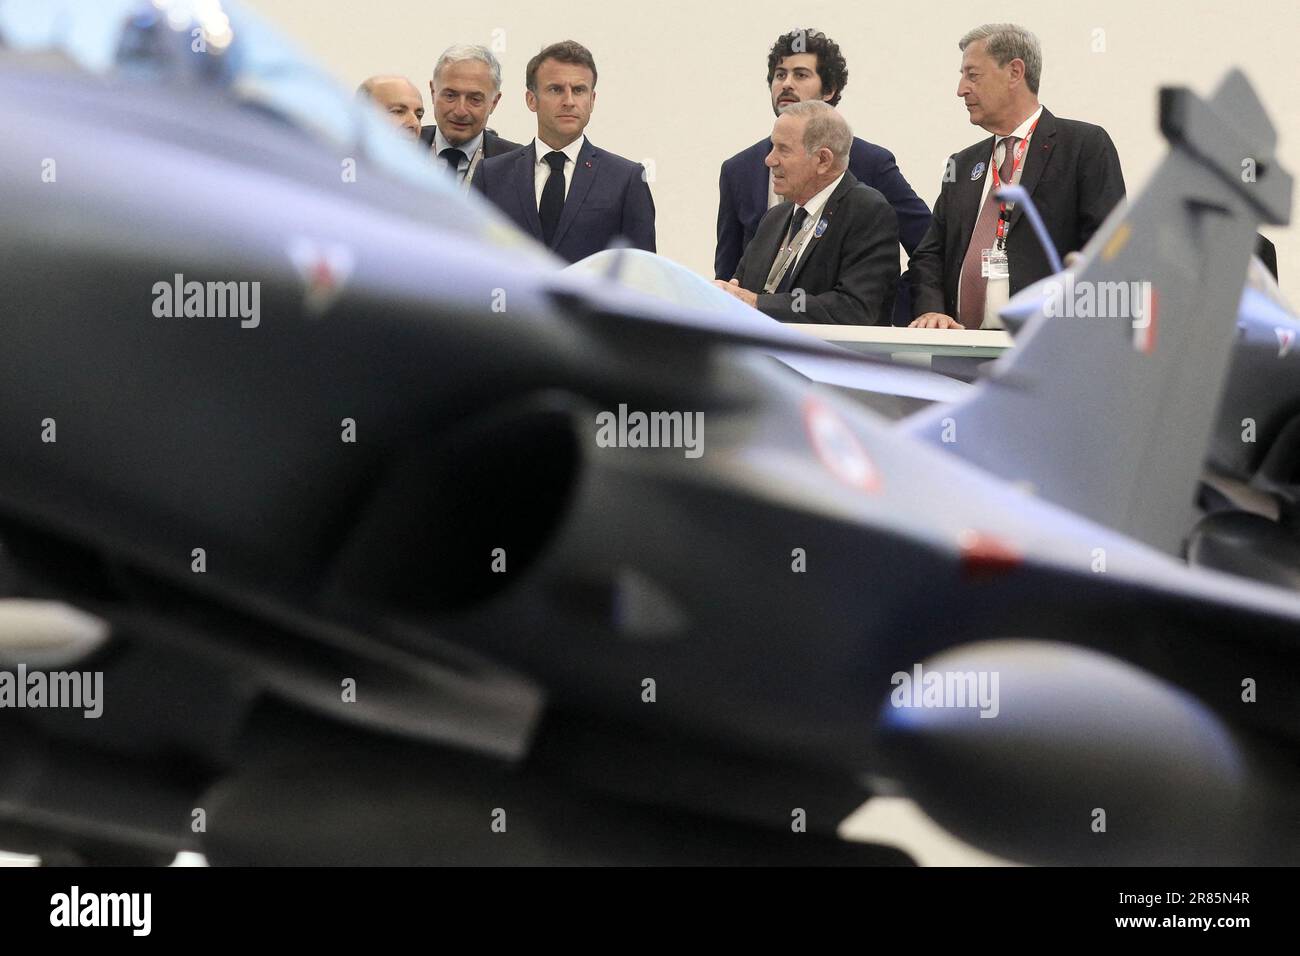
(814, 205)
(1021, 131)
(540, 150)
(469, 149)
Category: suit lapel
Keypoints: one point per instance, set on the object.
(762, 182)
(827, 213)
(526, 189)
(584, 173)
(1041, 146)
(766, 249)
(968, 190)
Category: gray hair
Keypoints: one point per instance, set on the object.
(1008, 42)
(826, 128)
(459, 52)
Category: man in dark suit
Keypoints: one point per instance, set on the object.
(563, 190)
(828, 254)
(978, 252)
(465, 88)
(807, 65)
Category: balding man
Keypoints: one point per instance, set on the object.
(979, 251)
(827, 254)
(398, 98)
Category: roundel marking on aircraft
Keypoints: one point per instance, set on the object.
(324, 269)
(838, 447)
(1285, 339)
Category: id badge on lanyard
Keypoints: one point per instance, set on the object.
(786, 256)
(993, 262)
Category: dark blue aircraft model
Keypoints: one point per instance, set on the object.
(389, 541)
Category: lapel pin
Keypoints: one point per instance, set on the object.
(977, 172)
(587, 164)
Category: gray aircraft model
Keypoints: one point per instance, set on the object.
(1248, 521)
(391, 542)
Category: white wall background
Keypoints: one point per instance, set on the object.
(682, 83)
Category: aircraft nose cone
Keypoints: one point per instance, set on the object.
(47, 633)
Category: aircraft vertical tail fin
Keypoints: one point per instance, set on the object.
(1107, 403)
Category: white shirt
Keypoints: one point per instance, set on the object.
(542, 171)
(814, 207)
(998, 291)
(469, 149)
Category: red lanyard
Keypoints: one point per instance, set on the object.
(1021, 147)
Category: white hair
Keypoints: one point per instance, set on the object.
(459, 52)
(826, 128)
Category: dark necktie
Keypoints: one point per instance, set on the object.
(552, 203)
(973, 286)
(796, 223)
(452, 157)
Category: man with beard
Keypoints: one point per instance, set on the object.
(807, 65)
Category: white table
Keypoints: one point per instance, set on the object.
(963, 343)
(957, 353)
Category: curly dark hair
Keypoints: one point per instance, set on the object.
(832, 69)
(566, 51)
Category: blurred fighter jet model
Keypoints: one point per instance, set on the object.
(420, 566)
(1252, 492)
